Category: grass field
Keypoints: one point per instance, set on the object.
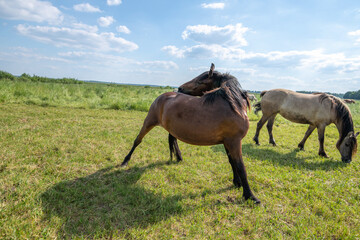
(60, 145)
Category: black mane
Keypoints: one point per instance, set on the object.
(229, 89)
(343, 116)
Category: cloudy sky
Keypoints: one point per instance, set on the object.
(299, 45)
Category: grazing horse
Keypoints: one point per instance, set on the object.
(217, 117)
(349, 101)
(252, 97)
(318, 110)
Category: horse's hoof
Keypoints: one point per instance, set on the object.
(254, 199)
(323, 155)
(273, 143)
(301, 146)
(124, 164)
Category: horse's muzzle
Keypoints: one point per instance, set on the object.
(346, 160)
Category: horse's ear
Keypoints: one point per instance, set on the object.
(211, 70)
(356, 134)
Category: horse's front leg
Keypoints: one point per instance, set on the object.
(321, 136)
(307, 134)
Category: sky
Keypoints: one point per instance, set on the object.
(311, 45)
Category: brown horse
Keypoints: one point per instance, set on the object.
(218, 117)
(318, 110)
(349, 101)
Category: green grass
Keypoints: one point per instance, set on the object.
(86, 95)
(59, 176)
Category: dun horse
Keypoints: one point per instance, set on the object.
(318, 110)
(217, 117)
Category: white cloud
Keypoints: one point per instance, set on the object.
(30, 10)
(123, 29)
(30, 55)
(174, 51)
(213, 42)
(159, 64)
(213, 5)
(279, 59)
(113, 2)
(86, 27)
(86, 7)
(203, 51)
(105, 21)
(77, 38)
(228, 35)
(315, 60)
(225, 43)
(355, 34)
(111, 60)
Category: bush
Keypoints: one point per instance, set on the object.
(6, 75)
(27, 78)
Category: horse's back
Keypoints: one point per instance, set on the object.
(296, 107)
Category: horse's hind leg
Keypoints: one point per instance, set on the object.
(239, 166)
(174, 148)
(236, 180)
(260, 124)
(307, 134)
(321, 136)
(269, 127)
(149, 123)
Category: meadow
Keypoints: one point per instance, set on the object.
(61, 144)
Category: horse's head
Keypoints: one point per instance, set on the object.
(204, 82)
(348, 147)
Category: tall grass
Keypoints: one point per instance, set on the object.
(86, 95)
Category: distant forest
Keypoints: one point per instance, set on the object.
(352, 95)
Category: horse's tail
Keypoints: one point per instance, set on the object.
(257, 107)
(263, 93)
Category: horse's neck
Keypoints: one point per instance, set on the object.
(344, 128)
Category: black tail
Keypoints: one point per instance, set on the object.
(257, 107)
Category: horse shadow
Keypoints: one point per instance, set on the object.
(286, 159)
(109, 199)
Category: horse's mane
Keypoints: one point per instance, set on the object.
(229, 89)
(343, 116)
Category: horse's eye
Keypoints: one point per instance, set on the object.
(347, 145)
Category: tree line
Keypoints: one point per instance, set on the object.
(27, 78)
(352, 94)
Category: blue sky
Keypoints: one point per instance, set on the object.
(299, 45)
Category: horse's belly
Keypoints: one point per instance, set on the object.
(295, 117)
(206, 132)
(197, 136)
